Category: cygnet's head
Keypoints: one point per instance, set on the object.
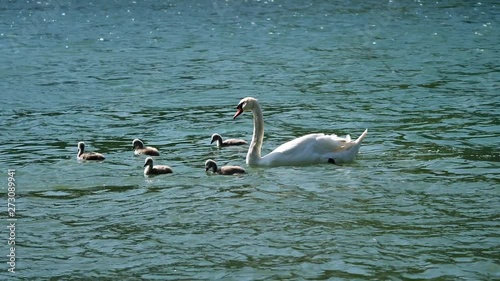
(148, 162)
(210, 164)
(81, 146)
(215, 137)
(137, 143)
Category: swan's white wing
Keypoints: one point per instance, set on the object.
(333, 143)
(308, 149)
(318, 143)
(297, 144)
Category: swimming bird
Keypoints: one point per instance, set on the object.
(305, 150)
(155, 170)
(225, 170)
(228, 142)
(140, 149)
(82, 155)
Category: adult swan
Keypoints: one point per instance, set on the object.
(308, 149)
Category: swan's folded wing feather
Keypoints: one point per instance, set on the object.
(299, 143)
(315, 143)
(308, 149)
(332, 143)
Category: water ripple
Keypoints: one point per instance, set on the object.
(420, 202)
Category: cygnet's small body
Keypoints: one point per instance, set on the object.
(155, 170)
(140, 149)
(228, 142)
(225, 170)
(82, 155)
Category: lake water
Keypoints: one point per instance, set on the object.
(421, 201)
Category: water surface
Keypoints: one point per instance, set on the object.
(420, 202)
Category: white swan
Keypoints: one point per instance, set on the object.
(308, 149)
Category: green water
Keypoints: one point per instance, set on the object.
(421, 201)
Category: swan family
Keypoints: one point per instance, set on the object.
(309, 149)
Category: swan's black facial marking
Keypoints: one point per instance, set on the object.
(239, 109)
(240, 106)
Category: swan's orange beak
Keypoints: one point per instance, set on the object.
(239, 111)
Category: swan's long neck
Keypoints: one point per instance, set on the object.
(253, 155)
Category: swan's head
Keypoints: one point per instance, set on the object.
(210, 164)
(148, 162)
(137, 143)
(215, 137)
(246, 104)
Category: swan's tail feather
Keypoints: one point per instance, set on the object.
(363, 135)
